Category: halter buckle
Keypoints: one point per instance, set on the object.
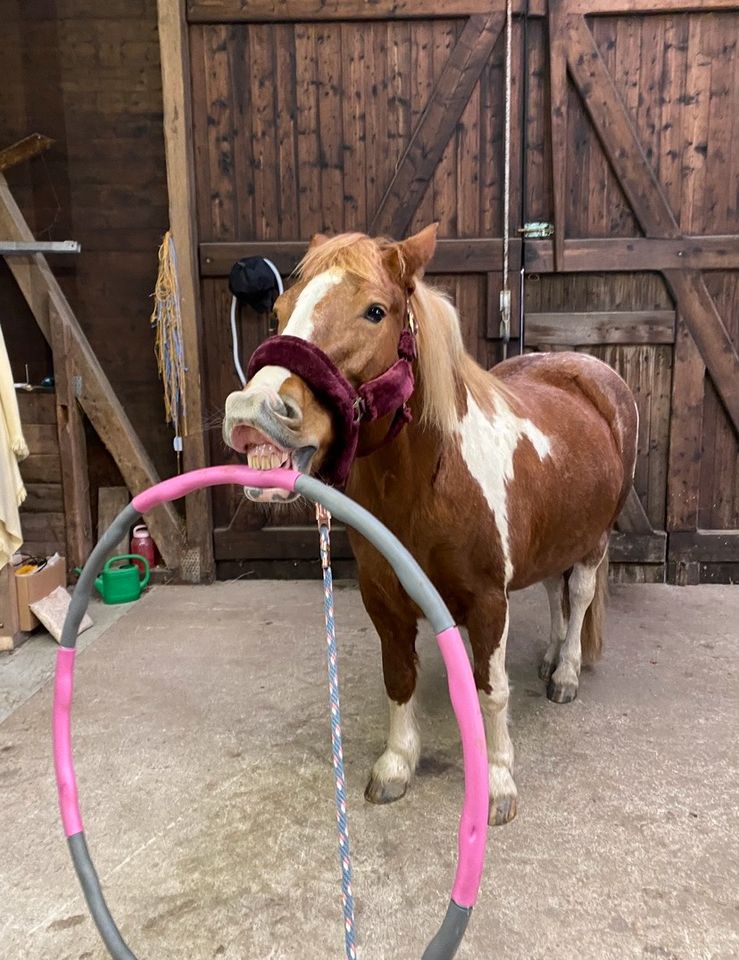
(360, 409)
(412, 324)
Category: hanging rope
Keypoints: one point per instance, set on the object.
(166, 320)
(505, 293)
(323, 518)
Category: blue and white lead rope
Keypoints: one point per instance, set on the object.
(324, 522)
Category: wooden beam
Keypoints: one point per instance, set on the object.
(72, 446)
(582, 329)
(650, 206)
(23, 150)
(438, 121)
(111, 500)
(558, 124)
(638, 547)
(686, 429)
(452, 256)
(276, 543)
(175, 59)
(633, 518)
(705, 546)
(629, 254)
(710, 335)
(616, 132)
(10, 630)
(618, 7)
(300, 11)
(96, 395)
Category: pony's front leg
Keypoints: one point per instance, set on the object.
(488, 629)
(394, 770)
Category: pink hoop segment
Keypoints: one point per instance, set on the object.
(180, 486)
(62, 732)
(472, 838)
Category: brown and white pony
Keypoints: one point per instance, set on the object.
(501, 480)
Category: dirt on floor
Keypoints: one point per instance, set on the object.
(203, 755)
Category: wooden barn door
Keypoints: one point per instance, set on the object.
(339, 116)
(633, 155)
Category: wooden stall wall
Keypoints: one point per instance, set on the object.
(384, 117)
(88, 75)
(325, 124)
(640, 178)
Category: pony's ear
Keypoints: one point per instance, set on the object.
(416, 251)
(317, 240)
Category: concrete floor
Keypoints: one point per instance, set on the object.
(202, 748)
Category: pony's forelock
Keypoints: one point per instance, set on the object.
(355, 253)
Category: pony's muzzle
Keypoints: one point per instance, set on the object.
(253, 414)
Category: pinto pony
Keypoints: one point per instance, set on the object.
(500, 480)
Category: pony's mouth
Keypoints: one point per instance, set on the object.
(263, 453)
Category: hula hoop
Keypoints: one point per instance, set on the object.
(474, 820)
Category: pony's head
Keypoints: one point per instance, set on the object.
(351, 301)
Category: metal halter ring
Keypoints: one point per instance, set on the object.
(474, 822)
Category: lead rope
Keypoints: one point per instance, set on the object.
(323, 519)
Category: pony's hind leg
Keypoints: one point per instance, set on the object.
(581, 586)
(394, 770)
(556, 588)
(488, 629)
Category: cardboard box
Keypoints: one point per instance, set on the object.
(31, 587)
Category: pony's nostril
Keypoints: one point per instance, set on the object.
(292, 414)
(274, 402)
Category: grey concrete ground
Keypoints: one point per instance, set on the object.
(203, 758)
(27, 669)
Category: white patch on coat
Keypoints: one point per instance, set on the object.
(494, 707)
(488, 445)
(400, 758)
(301, 322)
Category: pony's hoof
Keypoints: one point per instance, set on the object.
(561, 692)
(546, 669)
(389, 791)
(502, 811)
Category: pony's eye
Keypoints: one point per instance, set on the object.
(375, 313)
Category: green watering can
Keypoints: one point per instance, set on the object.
(122, 584)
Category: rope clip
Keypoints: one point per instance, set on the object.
(323, 519)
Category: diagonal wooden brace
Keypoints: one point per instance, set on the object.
(96, 395)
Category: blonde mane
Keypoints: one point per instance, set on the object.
(444, 366)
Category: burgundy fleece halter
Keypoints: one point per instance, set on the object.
(387, 393)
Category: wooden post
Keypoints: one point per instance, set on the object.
(558, 122)
(72, 447)
(198, 564)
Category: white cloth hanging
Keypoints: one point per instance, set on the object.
(13, 449)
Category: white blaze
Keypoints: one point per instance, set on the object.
(301, 320)
(488, 445)
(268, 378)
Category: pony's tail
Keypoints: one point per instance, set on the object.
(591, 638)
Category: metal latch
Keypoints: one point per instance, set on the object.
(536, 230)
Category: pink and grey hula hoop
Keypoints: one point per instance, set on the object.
(473, 825)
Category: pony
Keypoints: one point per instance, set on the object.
(500, 480)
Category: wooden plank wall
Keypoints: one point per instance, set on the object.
(88, 75)
(42, 513)
(678, 78)
(316, 150)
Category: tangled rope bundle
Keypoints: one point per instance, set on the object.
(166, 320)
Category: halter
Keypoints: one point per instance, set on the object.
(350, 408)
